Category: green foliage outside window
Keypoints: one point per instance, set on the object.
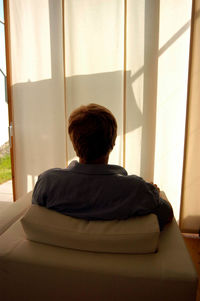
(5, 168)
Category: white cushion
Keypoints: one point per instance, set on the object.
(138, 235)
(10, 212)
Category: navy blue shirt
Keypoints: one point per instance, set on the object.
(99, 192)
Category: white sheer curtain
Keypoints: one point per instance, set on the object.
(94, 59)
(37, 89)
(106, 48)
(190, 209)
(156, 50)
(172, 77)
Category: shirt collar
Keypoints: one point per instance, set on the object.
(96, 169)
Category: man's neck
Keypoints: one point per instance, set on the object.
(101, 160)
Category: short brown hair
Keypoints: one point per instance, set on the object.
(92, 130)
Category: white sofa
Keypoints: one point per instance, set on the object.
(41, 262)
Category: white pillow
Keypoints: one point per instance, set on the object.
(10, 212)
(138, 235)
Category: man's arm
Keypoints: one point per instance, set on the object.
(164, 212)
(38, 196)
(154, 202)
(164, 209)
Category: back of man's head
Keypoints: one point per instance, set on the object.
(92, 130)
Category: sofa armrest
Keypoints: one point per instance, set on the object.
(11, 212)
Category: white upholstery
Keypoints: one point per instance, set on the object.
(136, 235)
(34, 271)
(11, 212)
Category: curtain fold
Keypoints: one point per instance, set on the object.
(94, 60)
(190, 209)
(172, 78)
(37, 86)
(66, 53)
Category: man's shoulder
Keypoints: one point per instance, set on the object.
(133, 179)
(52, 172)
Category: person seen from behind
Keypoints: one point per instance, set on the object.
(91, 188)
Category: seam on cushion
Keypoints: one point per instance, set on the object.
(97, 234)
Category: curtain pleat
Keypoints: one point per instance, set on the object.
(94, 60)
(37, 89)
(190, 209)
(172, 78)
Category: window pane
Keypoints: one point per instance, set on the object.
(1, 11)
(2, 49)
